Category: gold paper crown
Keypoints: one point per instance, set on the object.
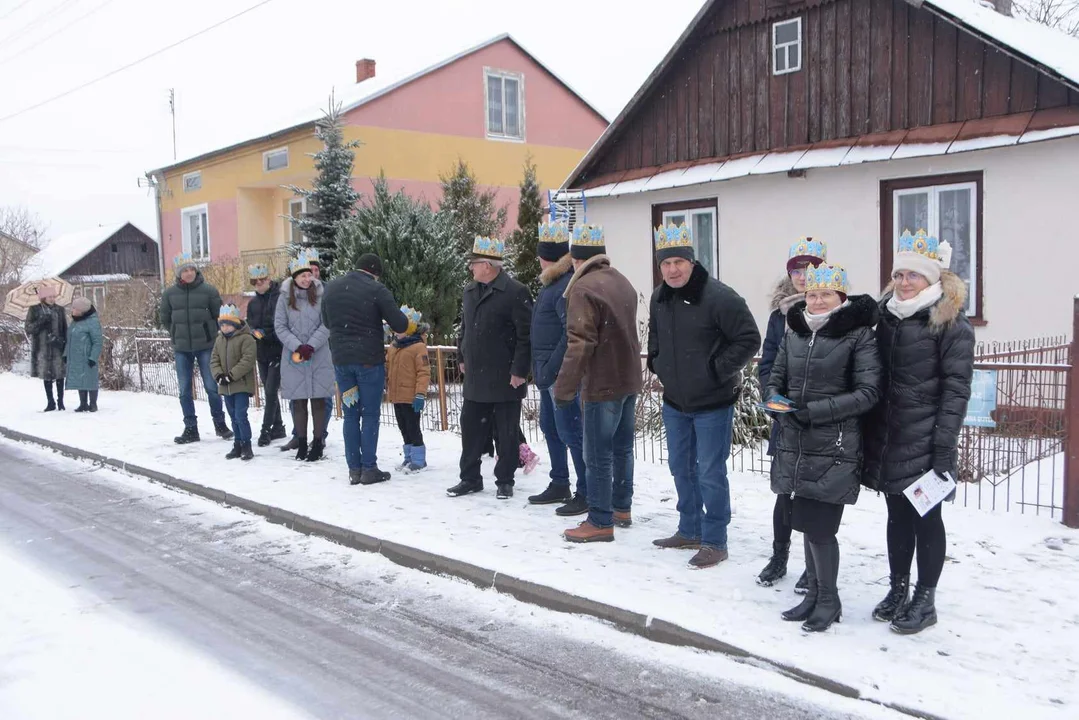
(488, 247)
(554, 232)
(827, 277)
(588, 234)
(673, 236)
(229, 313)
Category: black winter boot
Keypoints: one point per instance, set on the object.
(49, 396)
(828, 609)
(372, 476)
(314, 453)
(93, 401)
(235, 452)
(919, 614)
(465, 488)
(576, 505)
(222, 430)
(264, 437)
(802, 611)
(245, 451)
(292, 444)
(897, 598)
(553, 494)
(278, 432)
(776, 569)
(60, 395)
(802, 585)
(301, 449)
(189, 435)
(83, 407)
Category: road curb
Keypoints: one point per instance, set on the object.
(654, 629)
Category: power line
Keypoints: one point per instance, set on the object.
(54, 33)
(12, 10)
(43, 16)
(143, 59)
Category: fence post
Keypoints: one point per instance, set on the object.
(138, 359)
(442, 389)
(1071, 437)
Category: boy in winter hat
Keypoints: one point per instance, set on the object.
(232, 364)
(408, 372)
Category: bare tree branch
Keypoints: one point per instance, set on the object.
(1060, 15)
(22, 224)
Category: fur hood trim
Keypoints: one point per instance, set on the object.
(590, 263)
(553, 272)
(862, 311)
(783, 290)
(942, 315)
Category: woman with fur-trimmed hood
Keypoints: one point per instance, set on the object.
(788, 292)
(927, 348)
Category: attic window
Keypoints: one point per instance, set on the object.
(787, 46)
(275, 159)
(504, 92)
(115, 248)
(192, 182)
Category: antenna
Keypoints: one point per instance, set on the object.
(172, 111)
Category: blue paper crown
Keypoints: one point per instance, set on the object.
(258, 271)
(412, 314)
(229, 313)
(312, 256)
(183, 260)
(300, 263)
(808, 248)
(827, 277)
(672, 236)
(489, 247)
(588, 234)
(554, 232)
(920, 243)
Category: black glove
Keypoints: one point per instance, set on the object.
(940, 470)
(800, 418)
(92, 363)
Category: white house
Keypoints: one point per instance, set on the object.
(850, 121)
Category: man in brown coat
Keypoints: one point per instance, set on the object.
(603, 358)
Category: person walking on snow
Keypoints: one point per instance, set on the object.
(495, 352)
(260, 320)
(189, 309)
(927, 346)
(46, 326)
(828, 366)
(306, 363)
(83, 352)
(353, 310)
(561, 426)
(603, 365)
(790, 291)
(232, 362)
(700, 337)
(408, 373)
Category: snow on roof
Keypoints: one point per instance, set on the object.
(64, 251)
(1052, 48)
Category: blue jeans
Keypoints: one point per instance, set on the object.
(698, 445)
(185, 375)
(237, 405)
(329, 414)
(361, 389)
(562, 429)
(608, 454)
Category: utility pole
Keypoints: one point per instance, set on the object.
(172, 111)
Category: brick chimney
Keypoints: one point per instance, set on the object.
(365, 69)
(1004, 7)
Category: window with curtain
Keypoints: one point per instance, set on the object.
(505, 102)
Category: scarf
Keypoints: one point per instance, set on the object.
(790, 301)
(407, 340)
(816, 322)
(904, 309)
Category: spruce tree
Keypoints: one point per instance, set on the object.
(332, 200)
(468, 210)
(421, 264)
(521, 245)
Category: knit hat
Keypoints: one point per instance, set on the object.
(257, 272)
(81, 305)
(553, 240)
(673, 241)
(46, 292)
(588, 241)
(231, 314)
(924, 255)
(828, 277)
(807, 251)
(487, 248)
(299, 264)
(183, 261)
(370, 263)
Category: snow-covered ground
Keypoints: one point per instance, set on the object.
(1008, 627)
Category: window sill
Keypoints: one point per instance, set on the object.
(505, 138)
(978, 322)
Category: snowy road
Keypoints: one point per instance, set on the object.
(186, 609)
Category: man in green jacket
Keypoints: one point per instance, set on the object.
(189, 310)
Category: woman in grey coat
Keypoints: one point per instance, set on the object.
(306, 365)
(46, 327)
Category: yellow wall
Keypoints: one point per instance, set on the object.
(254, 218)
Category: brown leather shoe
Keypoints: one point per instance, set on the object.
(623, 518)
(677, 542)
(586, 532)
(708, 557)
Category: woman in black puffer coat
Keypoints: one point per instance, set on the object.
(927, 349)
(829, 367)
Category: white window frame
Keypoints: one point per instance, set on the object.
(933, 191)
(266, 159)
(797, 45)
(291, 227)
(186, 213)
(689, 215)
(196, 176)
(503, 75)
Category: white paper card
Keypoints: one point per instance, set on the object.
(928, 491)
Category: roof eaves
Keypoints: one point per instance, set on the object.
(229, 148)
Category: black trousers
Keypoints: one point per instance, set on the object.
(478, 422)
(781, 519)
(270, 372)
(408, 422)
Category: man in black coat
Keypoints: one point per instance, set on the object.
(495, 353)
(700, 336)
(260, 318)
(354, 307)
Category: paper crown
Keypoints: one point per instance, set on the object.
(312, 256)
(672, 236)
(827, 277)
(183, 260)
(229, 313)
(554, 232)
(809, 249)
(927, 246)
(488, 247)
(258, 271)
(300, 263)
(588, 234)
(413, 315)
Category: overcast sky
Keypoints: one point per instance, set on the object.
(76, 161)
